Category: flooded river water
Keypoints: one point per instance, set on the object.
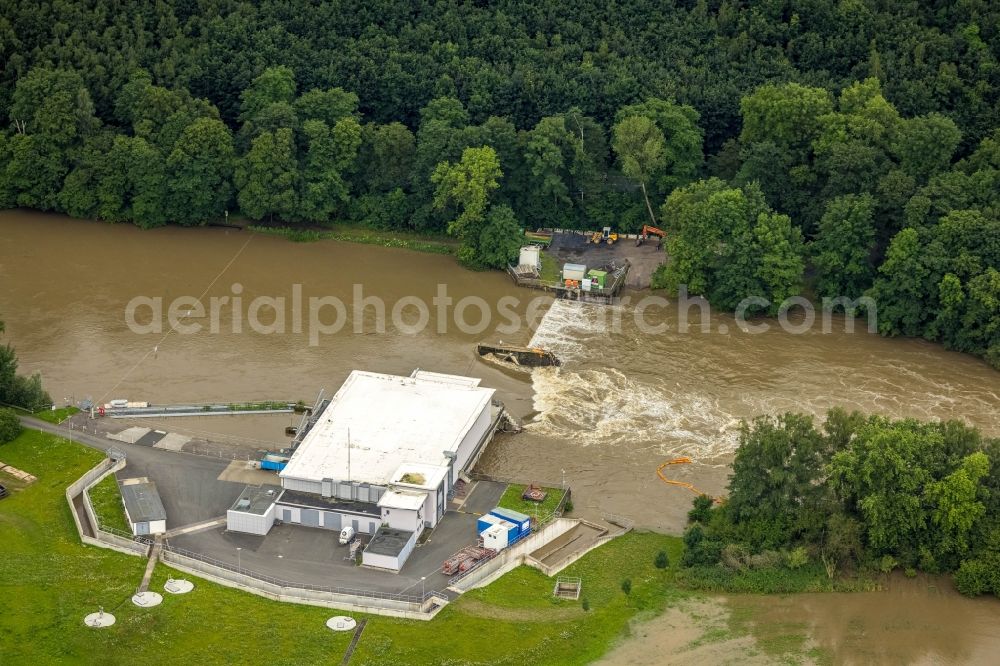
(623, 401)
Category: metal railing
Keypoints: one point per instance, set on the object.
(291, 586)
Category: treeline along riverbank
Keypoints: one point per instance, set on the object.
(839, 150)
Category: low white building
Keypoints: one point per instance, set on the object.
(378, 426)
(254, 510)
(143, 506)
(388, 549)
(403, 510)
(383, 455)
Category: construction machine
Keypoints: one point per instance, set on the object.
(605, 236)
(648, 231)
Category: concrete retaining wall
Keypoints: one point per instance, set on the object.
(355, 603)
(103, 539)
(552, 570)
(511, 558)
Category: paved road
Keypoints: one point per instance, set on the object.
(191, 493)
(187, 483)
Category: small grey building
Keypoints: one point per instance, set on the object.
(143, 507)
(254, 510)
(389, 549)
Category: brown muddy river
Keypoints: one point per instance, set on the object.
(623, 401)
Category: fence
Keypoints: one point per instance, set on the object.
(408, 606)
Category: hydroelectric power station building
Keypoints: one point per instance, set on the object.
(383, 454)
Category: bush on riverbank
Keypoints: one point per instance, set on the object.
(10, 425)
(861, 494)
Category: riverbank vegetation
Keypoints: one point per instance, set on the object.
(409, 241)
(839, 150)
(41, 546)
(16, 390)
(855, 497)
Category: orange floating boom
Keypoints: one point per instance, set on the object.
(682, 484)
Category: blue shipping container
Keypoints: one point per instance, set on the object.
(485, 522)
(274, 462)
(521, 521)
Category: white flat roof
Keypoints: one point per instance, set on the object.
(457, 380)
(403, 500)
(391, 420)
(419, 475)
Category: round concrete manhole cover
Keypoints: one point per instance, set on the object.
(99, 620)
(341, 623)
(147, 599)
(174, 586)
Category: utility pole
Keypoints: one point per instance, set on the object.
(349, 456)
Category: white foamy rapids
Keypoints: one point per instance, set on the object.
(568, 325)
(604, 407)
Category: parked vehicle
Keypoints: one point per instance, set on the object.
(346, 536)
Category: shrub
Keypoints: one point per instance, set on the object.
(734, 557)
(797, 558)
(568, 506)
(768, 559)
(662, 561)
(586, 604)
(910, 572)
(928, 562)
(887, 563)
(973, 578)
(702, 509)
(627, 586)
(10, 425)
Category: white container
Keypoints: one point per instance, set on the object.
(530, 258)
(495, 537)
(574, 271)
(586, 284)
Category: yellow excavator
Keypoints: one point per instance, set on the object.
(604, 236)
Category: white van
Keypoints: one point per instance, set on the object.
(346, 535)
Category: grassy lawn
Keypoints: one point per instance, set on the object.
(107, 501)
(55, 581)
(49, 581)
(517, 621)
(55, 416)
(550, 271)
(511, 499)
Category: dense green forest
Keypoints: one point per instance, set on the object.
(859, 492)
(831, 148)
